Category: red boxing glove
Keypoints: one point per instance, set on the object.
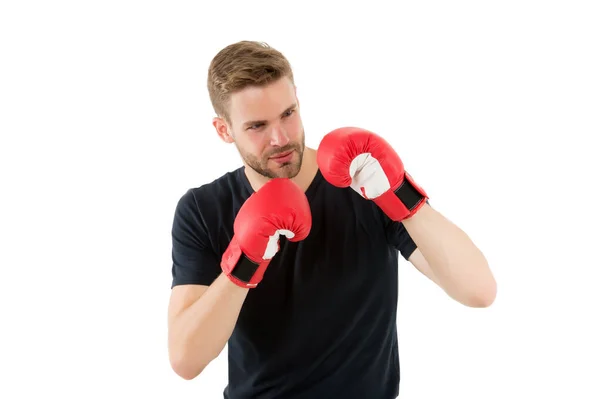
(279, 207)
(357, 158)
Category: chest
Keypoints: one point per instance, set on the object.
(347, 234)
(345, 254)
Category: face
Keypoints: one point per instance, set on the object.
(266, 128)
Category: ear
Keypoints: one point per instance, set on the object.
(222, 130)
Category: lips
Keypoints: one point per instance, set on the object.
(282, 155)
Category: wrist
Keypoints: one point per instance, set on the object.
(403, 202)
(240, 268)
(228, 284)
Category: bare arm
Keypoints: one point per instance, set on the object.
(201, 320)
(420, 263)
(448, 257)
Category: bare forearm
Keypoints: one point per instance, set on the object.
(460, 268)
(200, 332)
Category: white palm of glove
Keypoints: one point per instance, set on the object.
(273, 243)
(368, 178)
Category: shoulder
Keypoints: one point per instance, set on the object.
(209, 202)
(209, 194)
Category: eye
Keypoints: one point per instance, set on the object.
(256, 126)
(288, 113)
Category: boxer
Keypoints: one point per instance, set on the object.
(291, 260)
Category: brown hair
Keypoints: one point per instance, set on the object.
(240, 65)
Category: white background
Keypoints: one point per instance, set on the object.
(105, 122)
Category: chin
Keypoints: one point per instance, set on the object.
(287, 171)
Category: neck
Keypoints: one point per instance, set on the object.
(308, 170)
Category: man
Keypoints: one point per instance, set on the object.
(292, 259)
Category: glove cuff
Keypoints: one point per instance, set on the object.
(403, 202)
(240, 269)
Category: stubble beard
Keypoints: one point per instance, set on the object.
(286, 170)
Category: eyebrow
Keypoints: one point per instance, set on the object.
(264, 122)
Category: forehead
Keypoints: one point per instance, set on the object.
(258, 103)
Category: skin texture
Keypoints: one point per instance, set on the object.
(264, 122)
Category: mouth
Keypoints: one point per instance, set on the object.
(282, 155)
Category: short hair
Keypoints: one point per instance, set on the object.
(240, 65)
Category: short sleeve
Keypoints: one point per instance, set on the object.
(194, 260)
(398, 237)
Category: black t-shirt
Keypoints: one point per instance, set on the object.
(322, 323)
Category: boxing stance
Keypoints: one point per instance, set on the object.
(347, 157)
(291, 260)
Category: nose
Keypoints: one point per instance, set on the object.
(279, 136)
